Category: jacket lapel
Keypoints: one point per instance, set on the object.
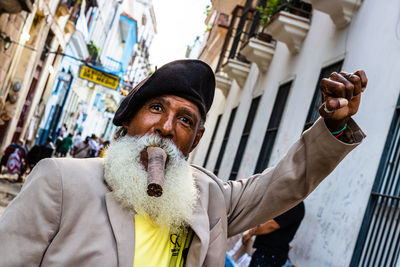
(123, 226)
(200, 226)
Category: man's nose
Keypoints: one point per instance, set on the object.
(165, 127)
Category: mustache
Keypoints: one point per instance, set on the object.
(166, 144)
(154, 159)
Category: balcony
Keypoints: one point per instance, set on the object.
(259, 51)
(340, 11)
(290, 24)
(223, 83)
(237, 70)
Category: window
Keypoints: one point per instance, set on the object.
(212, 140)
(378, 242)
(273, 126)
(313, 112)
(225, 141)
(243, 139)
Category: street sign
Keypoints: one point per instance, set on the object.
(99, 77)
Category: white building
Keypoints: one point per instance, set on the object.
(266, 102)
(140, 66)
(71, 99)
(104, 42)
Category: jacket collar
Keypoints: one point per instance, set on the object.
(200, 226)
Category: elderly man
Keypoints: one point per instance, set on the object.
(144, 205)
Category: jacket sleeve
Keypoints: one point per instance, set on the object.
(32, 219)
(264, 196)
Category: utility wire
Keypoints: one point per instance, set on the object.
(47, 50)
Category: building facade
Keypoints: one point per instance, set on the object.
(105, 43)
(41, 27)
(269, 94)
(140, 66)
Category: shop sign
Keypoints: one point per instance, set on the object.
(99, 77)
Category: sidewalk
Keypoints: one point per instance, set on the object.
(8, 190)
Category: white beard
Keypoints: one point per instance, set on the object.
(128, 179)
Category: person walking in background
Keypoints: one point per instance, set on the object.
(94, 146)
(58, 143)
(77, 139)
(14, 159)
(50, 145)
(103, 148)
(63, 131)
(39, 152)
(273, 238)
(82, 149)
(66, 144)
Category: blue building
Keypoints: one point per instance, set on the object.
(86, 92)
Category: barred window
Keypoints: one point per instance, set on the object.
(225, 140)
(273, 126)
(244, 138)
(378, 242)
(212, 140)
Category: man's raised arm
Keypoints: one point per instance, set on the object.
(313, 157)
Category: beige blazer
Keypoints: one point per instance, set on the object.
(65, 214)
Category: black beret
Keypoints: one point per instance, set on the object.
(191, 79)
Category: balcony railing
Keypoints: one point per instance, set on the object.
(290, 24)
(238, 33)
(296, 7)
(245, 23)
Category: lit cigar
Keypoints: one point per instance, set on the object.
(156, 168)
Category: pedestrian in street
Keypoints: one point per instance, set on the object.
(77, 139)
(82, 149)
(14, 159)
(144, 204)
(94, 146)
(58, 143)
(103, 148)
(50, 146)
(39, 152)
(66, 144)
(273, 238)
(63, 131)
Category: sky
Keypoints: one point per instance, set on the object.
(178, 24)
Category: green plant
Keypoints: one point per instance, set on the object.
(267, 12)
(208, 10)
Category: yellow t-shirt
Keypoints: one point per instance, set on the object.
(155, 246)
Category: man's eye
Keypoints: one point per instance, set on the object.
(186, 120)
(156, 107)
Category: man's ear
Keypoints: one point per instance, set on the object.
(197, 139)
